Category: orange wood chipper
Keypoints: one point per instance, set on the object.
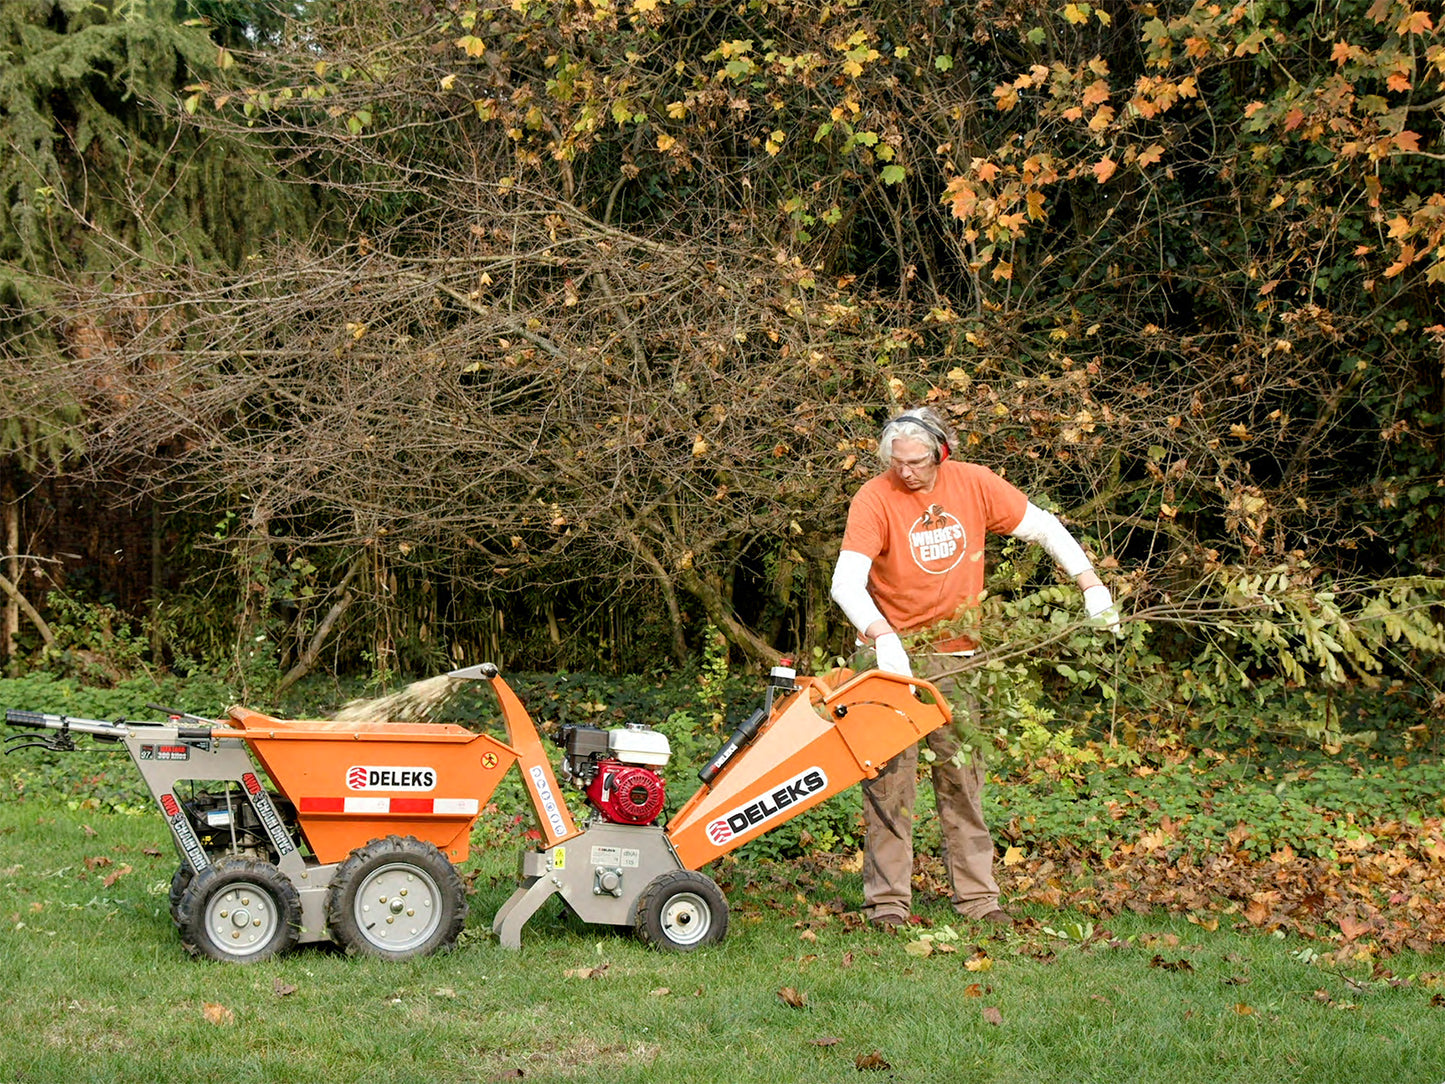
(294, 831)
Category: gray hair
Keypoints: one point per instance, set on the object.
(921, 424)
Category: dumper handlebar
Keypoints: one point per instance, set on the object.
(67, 726)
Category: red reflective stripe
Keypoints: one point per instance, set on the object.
(411, 805)
(323, 805)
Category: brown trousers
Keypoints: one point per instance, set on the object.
(888, 805)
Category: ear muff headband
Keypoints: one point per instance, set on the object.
(929, 428)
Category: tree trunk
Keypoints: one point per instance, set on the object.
(10, 618)
(710, 594)
(312, 651)
(13, 594)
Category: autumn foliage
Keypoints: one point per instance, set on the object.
(590, 340)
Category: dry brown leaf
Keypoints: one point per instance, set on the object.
(217, 1013)
(826, 1040)
(281, 988)
(872, 1063)
(111, 878)
(792, 997)
(586, 972)
(991, 1015)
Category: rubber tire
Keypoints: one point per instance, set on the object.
(178, 889)
(381, 863)
(277, 897)
(681, 911)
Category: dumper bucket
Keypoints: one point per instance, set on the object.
(354, 782)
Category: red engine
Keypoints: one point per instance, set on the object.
(616, 769)
(626, 793)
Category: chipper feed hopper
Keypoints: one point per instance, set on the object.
(293, 831)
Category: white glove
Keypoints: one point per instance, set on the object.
(891, 656)
(1099, 605)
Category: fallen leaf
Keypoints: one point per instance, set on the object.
(1351, 928)
(88, 830)
(1243, 1009)
(282, 989)
(872, 1063)
(111, 878)
(808, 936)
(826, 1040)
(510, 1074)
(661, 991)
(973, 989)
(792, 997)
(1168, 965)
(586, 972)
(919, 949)
(217, 1014)
(991, 1015)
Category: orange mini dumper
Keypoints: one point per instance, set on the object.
(359, 839)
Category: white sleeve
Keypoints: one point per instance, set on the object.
(1045, 529)
(850, 589)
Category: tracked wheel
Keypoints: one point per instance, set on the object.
(239, 910)
(396, 898)
(681, 911)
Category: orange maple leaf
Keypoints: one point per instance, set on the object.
(1152, 155)
(1096, 93)
(1407, 140)
(1342, 52)
(988, 171)
(1104, 169)
(1417, 22)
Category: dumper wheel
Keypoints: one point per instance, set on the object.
(178, 889)
(396, 898)
(681, 910)
(239, 910)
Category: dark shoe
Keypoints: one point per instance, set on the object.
(887, 922)
(997, 917)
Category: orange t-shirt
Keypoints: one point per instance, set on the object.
(927, 548)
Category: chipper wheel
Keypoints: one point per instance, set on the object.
(681, 910)
(239, 910)
(396, 898)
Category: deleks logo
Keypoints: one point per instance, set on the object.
(381, 777)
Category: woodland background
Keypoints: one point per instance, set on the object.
(373, 339)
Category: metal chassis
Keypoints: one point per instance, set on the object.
(167, 755)
(600, 875)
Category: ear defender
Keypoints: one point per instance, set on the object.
(928, 427)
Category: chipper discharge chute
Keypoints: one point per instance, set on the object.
(294, 831)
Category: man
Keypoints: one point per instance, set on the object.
(911, 558)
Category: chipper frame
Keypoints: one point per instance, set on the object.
(295, 831)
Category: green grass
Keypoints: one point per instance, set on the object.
(94, 986)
